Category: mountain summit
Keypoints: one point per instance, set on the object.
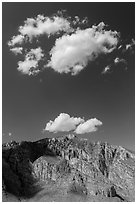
(67, 169)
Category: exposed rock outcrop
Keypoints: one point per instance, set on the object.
(72, 164)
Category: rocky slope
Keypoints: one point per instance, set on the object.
(67, 169)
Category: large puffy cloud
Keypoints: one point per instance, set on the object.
(63, 123)
(66, 123)
(72, 53)
(88, 126)
(30, 64)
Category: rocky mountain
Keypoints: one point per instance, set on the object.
(67, 169)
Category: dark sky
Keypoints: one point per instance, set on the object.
(29, 102)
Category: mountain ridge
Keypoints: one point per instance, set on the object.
(77, 166)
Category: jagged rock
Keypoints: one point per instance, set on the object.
(78, 184)
(72, 164)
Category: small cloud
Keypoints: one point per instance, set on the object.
(127, 47)
(16, 50)
(130, 45)
(9, 133)
(117, 60)
(120, 46)
(88, 126)
(106, 69)
(18, 39)
(30, 64)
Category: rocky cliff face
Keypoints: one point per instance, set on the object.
(70, 164)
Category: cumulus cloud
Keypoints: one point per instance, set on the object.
(88, 126)
(63, 123)
(30, 64)
(66, 123)
(72, 53)
(40, 25)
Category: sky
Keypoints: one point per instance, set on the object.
(68, 68)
